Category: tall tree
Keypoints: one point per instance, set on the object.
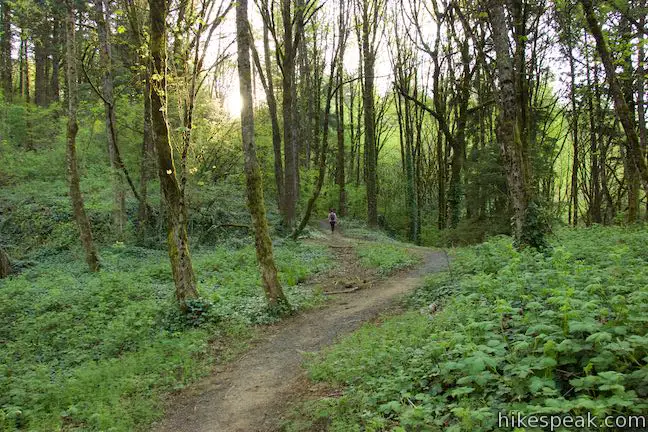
(368, 12)
(511, 126)
(72, 128)
(41, 38)
(6, 65)
(292, 31)
(102, 19)
(147, 162)
(271, 285)
(267, 81)
(174, 201)
(24, 65)
(340, 178)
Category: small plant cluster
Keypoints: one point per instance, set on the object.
(555, 333)
(386, 257)
(81, 351)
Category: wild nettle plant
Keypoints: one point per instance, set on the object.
(557, 333)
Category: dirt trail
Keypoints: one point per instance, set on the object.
(251, 393)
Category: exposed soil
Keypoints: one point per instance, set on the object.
(251, 393)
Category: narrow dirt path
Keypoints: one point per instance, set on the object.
(251, 393)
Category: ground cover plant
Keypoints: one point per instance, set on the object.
(386, 257)
(559, 332)
(81, 351)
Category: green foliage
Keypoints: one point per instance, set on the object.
(95, 351)
(359, 229)
(555, 333)
(387, 258)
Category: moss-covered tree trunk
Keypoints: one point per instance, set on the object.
(72, 128)
(176, 212)
(526, 231)
(255, 200)
(5, 264)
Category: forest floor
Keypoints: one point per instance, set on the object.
(251, 393)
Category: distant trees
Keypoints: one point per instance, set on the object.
(621, 105)
(102, 18)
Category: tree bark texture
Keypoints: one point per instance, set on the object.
(72, 128)
(255, 200)
(176, 212)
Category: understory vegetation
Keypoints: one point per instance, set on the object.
(565, 331)
(95, 351)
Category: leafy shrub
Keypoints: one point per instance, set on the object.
(559, 333)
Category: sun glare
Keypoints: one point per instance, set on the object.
(233, 104)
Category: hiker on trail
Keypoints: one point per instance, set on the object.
(332, 219)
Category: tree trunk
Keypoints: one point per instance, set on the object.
(146, 160)
(72, 128)
(627, 82)
(442, 220)
(176, 212)
(620, 105)
(641, 101)
(53, 93)
(509, 131)
(340, 177)
(574, 126)
(102, 16)
(288, 112)
(269, 278)
(594, 211)
(267, 82)
(5, 264)
(40, 64)
(24, 67)
(368, 57)
(5, 52)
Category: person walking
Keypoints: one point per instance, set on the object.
(332, 217)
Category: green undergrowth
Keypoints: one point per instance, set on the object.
(386, 257)
(358, 229)
(558, 333)
(81, 351)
